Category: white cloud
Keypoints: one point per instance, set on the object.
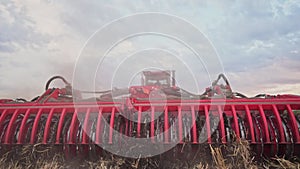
(17, 29)
(280, 75)
(258, 44)
(294, 51)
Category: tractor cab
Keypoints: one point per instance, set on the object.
(158, 78)
(153, 80)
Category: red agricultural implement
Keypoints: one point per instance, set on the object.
(157, 110)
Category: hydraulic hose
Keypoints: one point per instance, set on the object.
(56, 77)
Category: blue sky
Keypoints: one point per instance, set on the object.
(258, 42)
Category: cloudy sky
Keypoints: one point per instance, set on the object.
(257, 42)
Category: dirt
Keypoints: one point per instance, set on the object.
(236, 155)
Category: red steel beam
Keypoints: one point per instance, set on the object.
(236, 123)
(111, 124)
(35, 126)
(98, 127)
(85, 126)
(279, 123)
(152, 124)
(180, 124)
(207, 124)
(139, 121)
(8, 133)
(47, 127)
(60, 125)
(73, 127)
(265, 124)
(166, 125)
(295, 129)
(22, 127)
(194, 126)
(222, 125)
(250, 122)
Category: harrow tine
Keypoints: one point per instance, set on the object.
(47, 127)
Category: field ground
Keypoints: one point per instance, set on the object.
(236, 155)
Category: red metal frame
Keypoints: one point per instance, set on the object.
(275, 107)
(270, 124)
(259, 120)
